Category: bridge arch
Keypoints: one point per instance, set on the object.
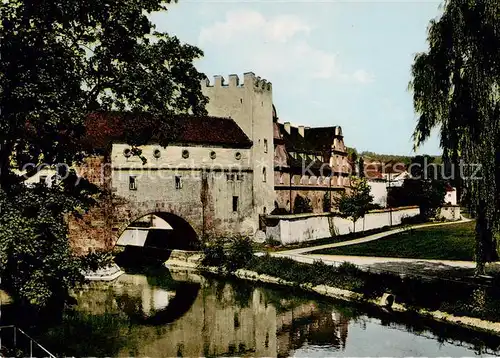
(178, 233)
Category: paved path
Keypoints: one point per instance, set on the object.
(446, 268)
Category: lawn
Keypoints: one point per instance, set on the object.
(448, 242)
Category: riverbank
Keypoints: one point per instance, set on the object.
(310, 278)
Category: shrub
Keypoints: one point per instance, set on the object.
(271, 241)
(239, 253)
(412, 220)
(302, 205)
(97, 259)
(214, 254)
(347, 268)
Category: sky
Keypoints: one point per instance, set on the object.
(330, 63)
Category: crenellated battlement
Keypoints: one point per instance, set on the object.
(249, 81)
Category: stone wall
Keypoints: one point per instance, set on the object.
(308, 227)
(202, 201)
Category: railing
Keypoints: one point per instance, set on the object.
(14, 342)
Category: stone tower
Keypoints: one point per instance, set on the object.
(250, 105)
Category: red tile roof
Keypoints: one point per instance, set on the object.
(104, 128)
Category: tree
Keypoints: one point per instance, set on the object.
(427, 194)
(61, 60)
(456, 88)
(302, 205)
(327, 202)
(361, 167)
(357, 202)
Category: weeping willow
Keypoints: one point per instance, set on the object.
(455, 86)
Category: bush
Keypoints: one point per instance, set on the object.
(230, 254)
(302, 205)
(214, 254)
(271, 241)
(97, 259)
(239, 253)
(412, 220)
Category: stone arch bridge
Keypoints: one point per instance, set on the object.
(103, 226)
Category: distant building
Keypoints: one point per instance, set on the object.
(451, 195)
(309, 162)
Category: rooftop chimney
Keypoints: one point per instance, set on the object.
(301, 130)
(287, 127)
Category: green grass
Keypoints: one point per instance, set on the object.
(448, 242)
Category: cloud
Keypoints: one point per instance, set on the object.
(363, 77)
(272, 46)
(247, 22)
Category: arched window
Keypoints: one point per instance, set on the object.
(264, 175)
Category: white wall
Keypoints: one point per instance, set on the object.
(300, 228)
(378, 189)
(450, 213)
(451, 197)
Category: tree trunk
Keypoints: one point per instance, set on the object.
(486, 250)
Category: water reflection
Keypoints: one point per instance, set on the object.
(181, 313)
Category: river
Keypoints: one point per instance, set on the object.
(165, 313)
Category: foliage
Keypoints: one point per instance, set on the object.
(60, 61)
(456, 89)
(357, 202)
(385, 158)
(302, 205)
(230, 254)
(327, 202)
(278, 211)
(97, 259)
(361, 167)
(239, 253)
(214, 253)
(427, 194)
(449, 242)
(426, 188)
(36, 261)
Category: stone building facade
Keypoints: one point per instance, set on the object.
(310, 163)
(250, 105)
(287, 161)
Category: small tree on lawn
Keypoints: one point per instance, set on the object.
(357, 202)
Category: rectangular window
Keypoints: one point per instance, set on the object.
(43, 179)
(239, 177)
(235, 203)
(132, 183)
(265, 145)
(178, 182)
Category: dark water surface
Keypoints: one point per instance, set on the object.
(184, 313)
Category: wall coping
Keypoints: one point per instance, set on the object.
(332, 214)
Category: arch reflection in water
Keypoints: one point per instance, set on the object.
(186, 314)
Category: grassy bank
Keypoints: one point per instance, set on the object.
(457, 298)
(454, 297)
(449, 242)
